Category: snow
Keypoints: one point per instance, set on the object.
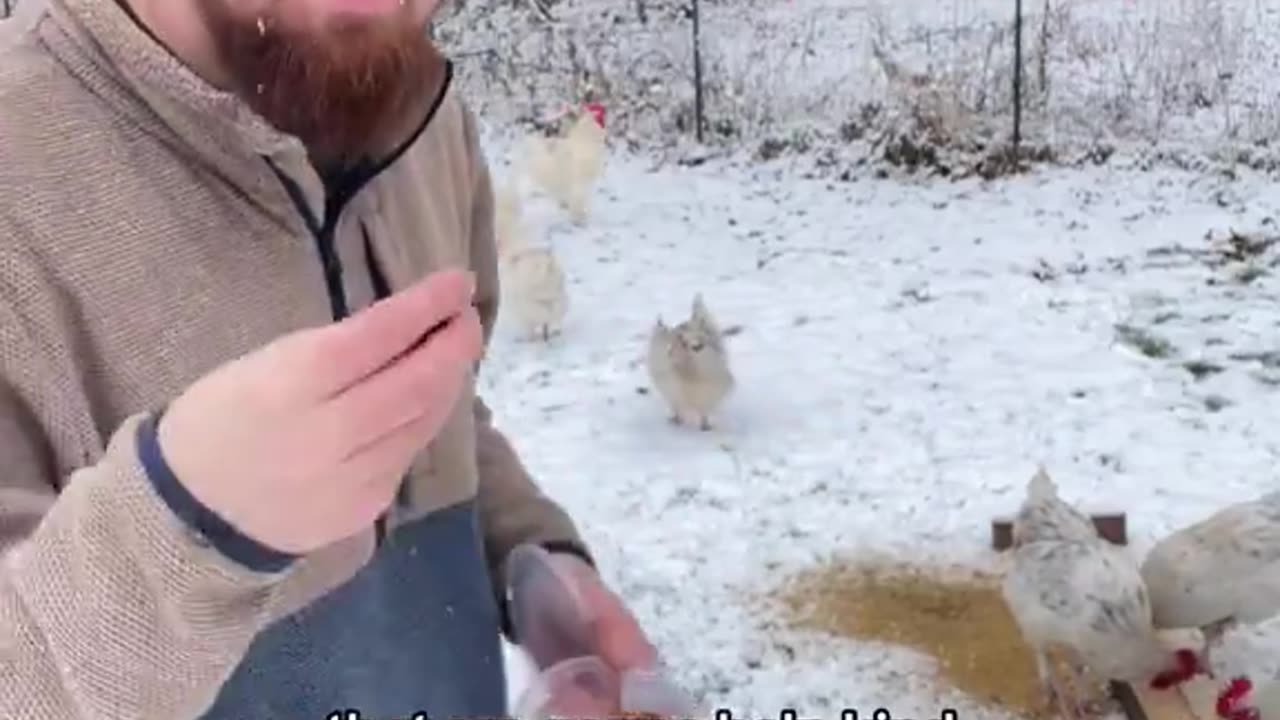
(901, 372)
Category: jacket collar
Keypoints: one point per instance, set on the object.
(99, 41)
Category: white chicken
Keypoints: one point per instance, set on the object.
(1046, 516)
(689, 366)
(566, 167)
(1220, 572)
(1070, 590)
(533, 284)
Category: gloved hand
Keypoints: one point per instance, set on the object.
(593, 658)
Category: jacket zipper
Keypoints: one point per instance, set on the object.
(381, 289)
(323, 230)
(323, 233)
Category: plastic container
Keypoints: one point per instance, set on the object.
(554, 628)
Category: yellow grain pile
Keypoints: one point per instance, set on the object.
(958, 618)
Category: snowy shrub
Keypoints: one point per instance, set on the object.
(904, 81)
(919, 84)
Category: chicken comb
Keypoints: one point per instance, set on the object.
(1231, 695)
(597, 111)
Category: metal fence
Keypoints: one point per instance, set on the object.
(1162, 72)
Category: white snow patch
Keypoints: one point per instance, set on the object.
(901, 372)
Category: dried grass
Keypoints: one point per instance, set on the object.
(957, 617)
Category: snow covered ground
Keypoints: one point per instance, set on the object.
(908, 353)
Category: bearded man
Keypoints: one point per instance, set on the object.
(247, 273)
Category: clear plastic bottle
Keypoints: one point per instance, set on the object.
(554, 627)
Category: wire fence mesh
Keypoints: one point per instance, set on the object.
(793, 72)
(1094, 71)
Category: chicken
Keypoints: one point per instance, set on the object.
(1068, 589)
(1219, 572)
(533, 284)
(508, 231)
(689, 366)
(1046, 516)
(566, 167)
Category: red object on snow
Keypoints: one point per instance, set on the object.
(1231, 705)
(597, 112)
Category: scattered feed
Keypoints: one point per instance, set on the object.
(957, 617)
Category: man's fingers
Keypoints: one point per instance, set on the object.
(351, 350)
(620, 640)
(582, 687)
(387, 458)
(426, 381)
(622, 643)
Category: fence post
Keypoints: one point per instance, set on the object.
(698, 107)
(1017, 79)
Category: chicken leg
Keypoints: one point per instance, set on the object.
(576, 204)
(1051, 685)
(1213, 633)
(1085, 705)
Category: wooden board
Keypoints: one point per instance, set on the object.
(1112, 526)
(1201, 694)
(1193, 701)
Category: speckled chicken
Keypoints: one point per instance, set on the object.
(1070, 590)
(533, 284)
(1044, 515)
(1219, 572)
(689, 366)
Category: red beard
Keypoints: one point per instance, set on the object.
(343, 91)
